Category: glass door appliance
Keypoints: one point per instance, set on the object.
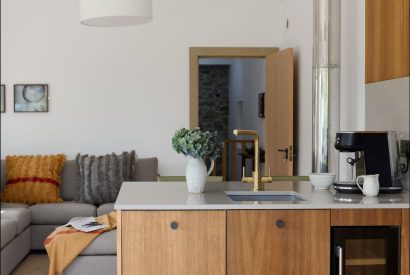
(365, 251)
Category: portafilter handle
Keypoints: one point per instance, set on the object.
(352, 162)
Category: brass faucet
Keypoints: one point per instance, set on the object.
(255, 179)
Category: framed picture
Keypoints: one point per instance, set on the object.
(2, 98)
(30, 98)
(261, 105)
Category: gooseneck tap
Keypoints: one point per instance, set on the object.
(255, 179)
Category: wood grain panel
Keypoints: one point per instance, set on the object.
(365, 217)
(405, 242)
(387, 39)
(150, 246)
(279, 112)
(254, 242)
(255, 245)
(119, 239)
(307, 242)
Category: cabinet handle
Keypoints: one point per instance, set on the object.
(174, 225)
(280, 224)
(339, 255)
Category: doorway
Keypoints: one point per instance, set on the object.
(229, 95)
(277, 126)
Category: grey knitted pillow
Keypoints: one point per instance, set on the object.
(101, 177)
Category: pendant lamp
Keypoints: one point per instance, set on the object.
(112, 13)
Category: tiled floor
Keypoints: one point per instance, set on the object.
(33, 264)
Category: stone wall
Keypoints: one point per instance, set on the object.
(214, 98)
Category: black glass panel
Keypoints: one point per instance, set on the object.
(365, 250)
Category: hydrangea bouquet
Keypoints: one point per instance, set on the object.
(197, 143)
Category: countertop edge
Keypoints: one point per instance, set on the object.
(257, 206)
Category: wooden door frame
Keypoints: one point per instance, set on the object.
(195, 53)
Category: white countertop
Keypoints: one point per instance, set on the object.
(175, 196)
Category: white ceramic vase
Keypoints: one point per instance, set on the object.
(196, 174)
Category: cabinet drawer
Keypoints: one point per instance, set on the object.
(366, 217)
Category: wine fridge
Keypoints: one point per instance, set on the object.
(365, 251)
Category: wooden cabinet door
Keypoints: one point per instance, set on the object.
(173, 242)
(278, 242)
(387, 39)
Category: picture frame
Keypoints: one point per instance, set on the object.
(31, 98)
(261, 105)
(2, 98)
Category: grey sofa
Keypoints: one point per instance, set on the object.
(15, 237)
(24, 234)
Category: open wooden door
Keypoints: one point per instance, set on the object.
(279, 113)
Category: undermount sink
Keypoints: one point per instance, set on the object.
(269, 196)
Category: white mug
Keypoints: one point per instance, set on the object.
(370, 185)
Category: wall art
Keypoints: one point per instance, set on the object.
(261, 105)
(2, 98)
(30, 98)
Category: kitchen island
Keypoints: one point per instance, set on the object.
(163, 229)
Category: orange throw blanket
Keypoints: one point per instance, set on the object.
(65, 244)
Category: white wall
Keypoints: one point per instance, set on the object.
(299, 35)
(248, 76)
(114, 89)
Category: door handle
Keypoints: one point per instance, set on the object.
(286, 151)
(339, 255)
(291, 153)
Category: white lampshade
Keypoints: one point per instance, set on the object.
(111, 13)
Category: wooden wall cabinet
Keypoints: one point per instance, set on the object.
(172, 242)
(278, 242)
(386, 39)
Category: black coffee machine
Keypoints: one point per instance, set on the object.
(374, 153)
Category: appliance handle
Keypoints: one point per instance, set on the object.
(339, 255)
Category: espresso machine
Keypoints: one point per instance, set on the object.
(373, 153)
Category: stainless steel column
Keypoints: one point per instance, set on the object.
(326, 84)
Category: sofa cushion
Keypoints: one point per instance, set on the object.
(101, 177)
(39, 233)
(20, 216)
(8, 231)
(147, 169)
(105, 244)
(5, 205)
(70, 186)
(105, 209)
(60, 213)
(33, 179)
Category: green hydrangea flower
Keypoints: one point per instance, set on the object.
(197, 143)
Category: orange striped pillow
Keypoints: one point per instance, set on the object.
(33, 179)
